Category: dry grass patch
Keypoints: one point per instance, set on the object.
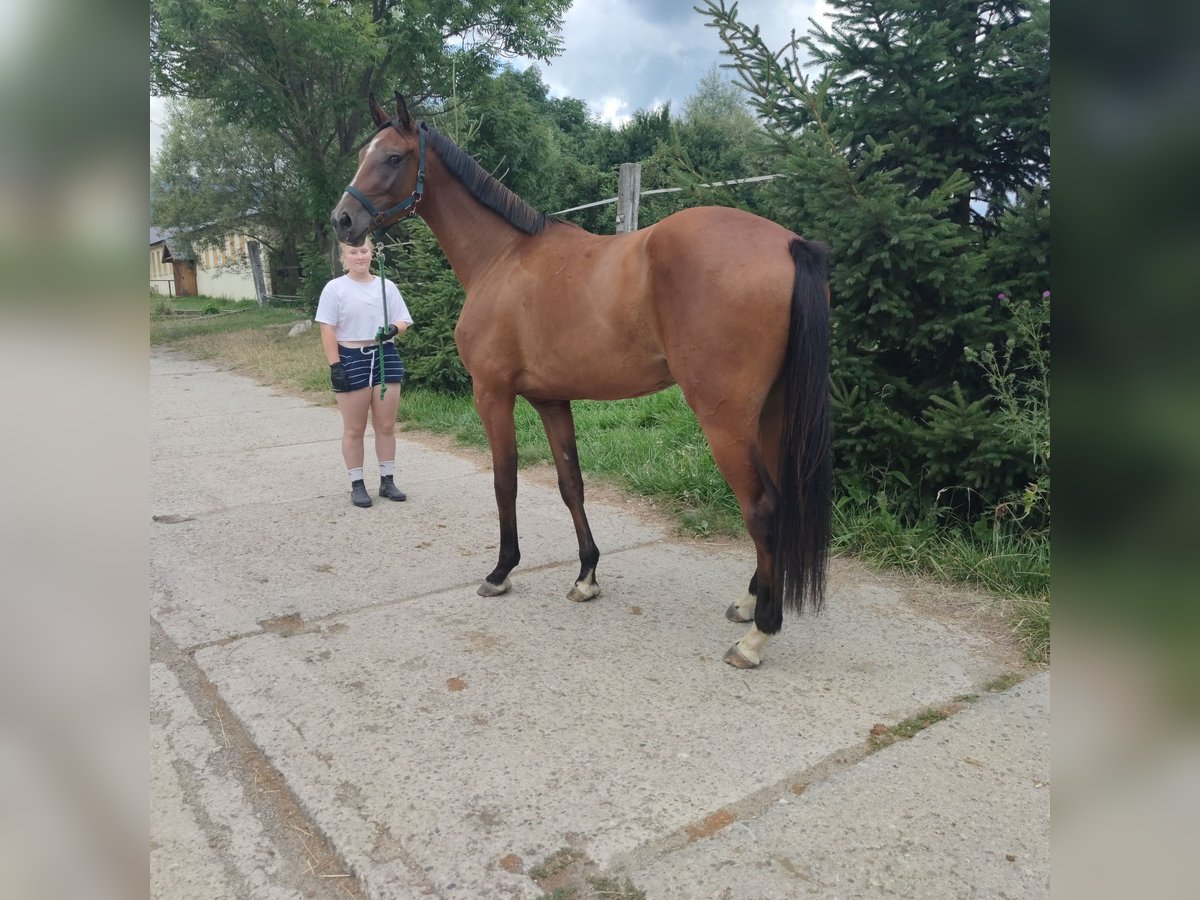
(296, 365)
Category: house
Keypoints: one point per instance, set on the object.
(177, 269)
(172, 273)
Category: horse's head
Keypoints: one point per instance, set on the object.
(390, 178)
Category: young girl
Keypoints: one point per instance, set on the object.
(351, 315)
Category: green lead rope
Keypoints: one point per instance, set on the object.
(379, 257)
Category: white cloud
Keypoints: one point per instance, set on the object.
(611, 111)
(644, 54)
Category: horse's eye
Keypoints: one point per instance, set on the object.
(394, 159)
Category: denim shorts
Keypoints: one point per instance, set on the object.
(362, 365)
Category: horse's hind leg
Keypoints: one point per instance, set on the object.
(768, 441)
(560, 432)
(496, 414)
(738, 457)
(743, 610)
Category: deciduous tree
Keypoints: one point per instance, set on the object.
(300, 70)
(212, 178)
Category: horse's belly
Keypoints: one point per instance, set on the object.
(592, 377)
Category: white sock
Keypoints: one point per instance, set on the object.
(355, 474)
(387, 468)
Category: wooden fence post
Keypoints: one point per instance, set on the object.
(629, 185)
(260, 286)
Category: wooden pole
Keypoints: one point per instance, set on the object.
(260, 287)
(629, 185)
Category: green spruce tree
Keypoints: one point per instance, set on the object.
(921, 140)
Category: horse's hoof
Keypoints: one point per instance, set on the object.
(487, 589)
(733, 615)
(582, 592)
(741, 660)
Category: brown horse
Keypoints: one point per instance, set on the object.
(729, 306)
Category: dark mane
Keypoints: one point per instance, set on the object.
(486, 189)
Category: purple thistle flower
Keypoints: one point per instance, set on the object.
(1045, 294)
(999, 296)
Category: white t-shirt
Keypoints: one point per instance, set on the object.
(356, 309)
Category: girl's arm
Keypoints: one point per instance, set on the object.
(402, 323)
(329, 343)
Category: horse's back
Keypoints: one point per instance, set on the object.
(702, 294)
(699, 221)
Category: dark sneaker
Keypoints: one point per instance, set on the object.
(387, 488)
(358, 494)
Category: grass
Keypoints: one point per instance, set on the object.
(554, 864)
(902, 731)
(1003, 683)
(568, 874)
(167, 326)
(597, 888)
(651, 446)
(885, 735)
(1013, 565)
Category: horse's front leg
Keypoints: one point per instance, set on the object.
(560, 432)
(496, 413)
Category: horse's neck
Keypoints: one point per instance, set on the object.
(470, 234)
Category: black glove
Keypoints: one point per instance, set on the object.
(386, 334)
(338, 378)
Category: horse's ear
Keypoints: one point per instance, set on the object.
(402, 115)
(377, 112)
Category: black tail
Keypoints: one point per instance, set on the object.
(802, 512)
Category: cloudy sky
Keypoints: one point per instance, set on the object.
(624, 55)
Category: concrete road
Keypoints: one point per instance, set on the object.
(335, 712)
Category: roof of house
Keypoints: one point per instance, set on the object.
(166, 237)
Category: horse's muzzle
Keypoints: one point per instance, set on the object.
(345, 227)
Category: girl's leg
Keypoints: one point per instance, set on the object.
(383, 420)
(354, 406)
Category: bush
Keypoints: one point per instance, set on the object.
(434, 297)
(1019, 374)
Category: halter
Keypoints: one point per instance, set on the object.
(382, 220)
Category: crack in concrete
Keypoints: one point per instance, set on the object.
(279, 812)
